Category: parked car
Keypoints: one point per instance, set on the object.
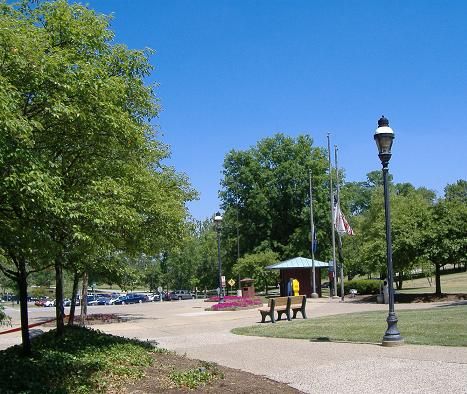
(181, 295)
(132, 298)
(114, 299)
(49, 303)
(156, 297)
(44, 301)
(99, 301)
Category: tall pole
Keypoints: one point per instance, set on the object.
(332, 222)
(238, 244)
(312, 224)
(339, 237)
(384, 137)
(392, 335)
(217, 221)
(219, 263)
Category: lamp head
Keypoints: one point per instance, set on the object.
(218, 218)
(384, 137)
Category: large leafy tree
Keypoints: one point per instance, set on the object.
(265, 194)
(82, 171)
(410, 221)
(446, 241)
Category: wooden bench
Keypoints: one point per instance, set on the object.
(280, 305)
(298, 304)
(283, 305)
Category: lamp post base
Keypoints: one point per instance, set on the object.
(314, 295)
(392, 336)
(392, 342)
(335, 297)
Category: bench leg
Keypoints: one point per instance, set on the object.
(304, 313)
(272, 317)
(263, 317)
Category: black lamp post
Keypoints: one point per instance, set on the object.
(217, 222)
(384, 137)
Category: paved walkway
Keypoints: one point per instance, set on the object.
(184, 326)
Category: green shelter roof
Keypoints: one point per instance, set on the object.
(297, 262)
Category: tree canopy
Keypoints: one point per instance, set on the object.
(82, 170)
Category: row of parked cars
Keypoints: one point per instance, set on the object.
(122, 299)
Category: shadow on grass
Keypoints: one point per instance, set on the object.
(59, 365)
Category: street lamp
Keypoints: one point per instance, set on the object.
(217, 222)
(384, 137)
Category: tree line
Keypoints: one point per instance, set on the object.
(265, 199)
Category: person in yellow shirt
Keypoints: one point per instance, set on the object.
(296, 287)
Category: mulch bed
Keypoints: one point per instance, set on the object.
(95, 318)
(157, 379)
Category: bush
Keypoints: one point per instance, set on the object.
(237, 303)
(363, 286)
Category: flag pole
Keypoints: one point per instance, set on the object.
(312, 224)
(339, 237)
(332, 223)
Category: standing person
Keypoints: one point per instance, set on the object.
(289, 287)
(296, 287)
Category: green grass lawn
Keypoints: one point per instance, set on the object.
(450, 283)
(443, 326)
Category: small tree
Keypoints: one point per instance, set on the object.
(253, 266)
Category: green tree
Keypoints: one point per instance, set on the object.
(446, 241)
(267, 188)
(82, 169)
(410, 214)
(252, 265)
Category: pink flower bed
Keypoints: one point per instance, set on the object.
(234, 303)
(226, 298)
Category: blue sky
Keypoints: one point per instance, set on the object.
(234, 72)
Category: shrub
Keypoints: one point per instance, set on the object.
(237, 303)
(363, 286)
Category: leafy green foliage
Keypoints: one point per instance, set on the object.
(363, 286)
(253, 266)
(265, 194)
(83, 174)
(82, 361)
(4, 319)
(196, 377)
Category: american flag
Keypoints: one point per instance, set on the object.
(340, 222)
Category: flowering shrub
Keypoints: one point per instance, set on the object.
(234, 303)
(226, 298)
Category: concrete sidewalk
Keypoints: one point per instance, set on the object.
(184, 326)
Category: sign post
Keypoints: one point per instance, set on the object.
(231, 283)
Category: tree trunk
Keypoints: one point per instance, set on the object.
(84, 301)
(399, 280)
(71, 317)
(59, 308)
(438, 279)
(23, 299)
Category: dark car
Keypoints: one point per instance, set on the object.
(132, 298)
(99, 301)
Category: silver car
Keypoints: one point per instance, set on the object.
(181, 295)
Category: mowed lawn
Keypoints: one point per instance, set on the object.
(450, 283)
(442, 326)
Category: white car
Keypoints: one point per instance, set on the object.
(49, 303)
(113, 300)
